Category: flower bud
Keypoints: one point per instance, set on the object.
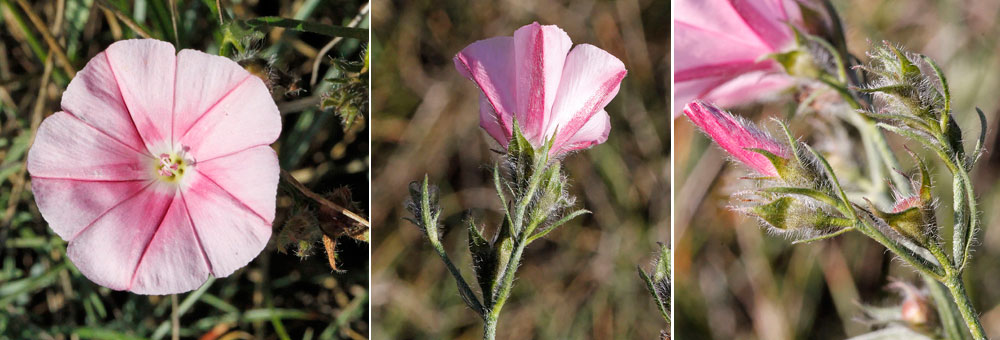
(788, 213)
(903, 91)
(915, 310)
(740, 138)
(912, 216)
(907, 218)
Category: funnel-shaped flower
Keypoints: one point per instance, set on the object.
(738, 137)
(158, 171)
(551, 91)
(721, 46)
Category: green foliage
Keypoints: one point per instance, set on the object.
(658, 281)
(348, 94)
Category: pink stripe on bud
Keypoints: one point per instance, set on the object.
(736, 136)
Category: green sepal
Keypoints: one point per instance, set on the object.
(662, 270)
(906, 68)
(911, 121)
(787, 171)
(236, 35)
(483, 262)
(658, 282)
(502, 250)
(954, 137)
(910, 223)
(550, 195)
(519, 146)
(925, 179)
(980, 143)
(776, 213)
(787, 213)
(945, 91)
(796, 63)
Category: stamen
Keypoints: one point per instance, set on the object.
(171, 166)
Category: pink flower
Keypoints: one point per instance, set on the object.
(719, 46)
(158, 171)
(736, 136)
(552, 91)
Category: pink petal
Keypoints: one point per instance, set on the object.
(736, 136)
(145, 72)
(490, 64)
(245, 118)
(594, 132)
(93, 97)
(172, 261)
(688, 91)
(590, 80)
(749, 87)
(203, 80)
(700, 53)
(490, 121)
(66, 147)
(539, 55)
(759, 22)
(767, 19)
(728, 92)
(230, 231)
(68, 205)
(251, 176)
(108, 250)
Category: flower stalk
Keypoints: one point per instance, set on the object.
(535, 185)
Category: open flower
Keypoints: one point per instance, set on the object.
(737, 136)
(550, 90)
(721, 47)
(158, 171)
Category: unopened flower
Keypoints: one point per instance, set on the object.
(722, 47)
(915, 309)
(158, 169)
(550, 90)
(740, 138)
(912, 215)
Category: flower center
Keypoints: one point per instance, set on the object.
(171, 166)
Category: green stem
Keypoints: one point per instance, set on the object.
(525, 200)
(871, 134)
(973, 218)
(467, 293)
(490, 327)
(306, 26)
(946, 309)
(430, 220)
(506, 283)
(878, 138)
(921, 264)
(491, 315)
(957, 289)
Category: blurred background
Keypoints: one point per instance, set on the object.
(734, 281)
(581, 281)
(280, 295)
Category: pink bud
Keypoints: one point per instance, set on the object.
(915, 309)
(736, 136)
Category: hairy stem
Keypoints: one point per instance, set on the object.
(522, 236)
(948, 313)
(490, 327)
(957, 289)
